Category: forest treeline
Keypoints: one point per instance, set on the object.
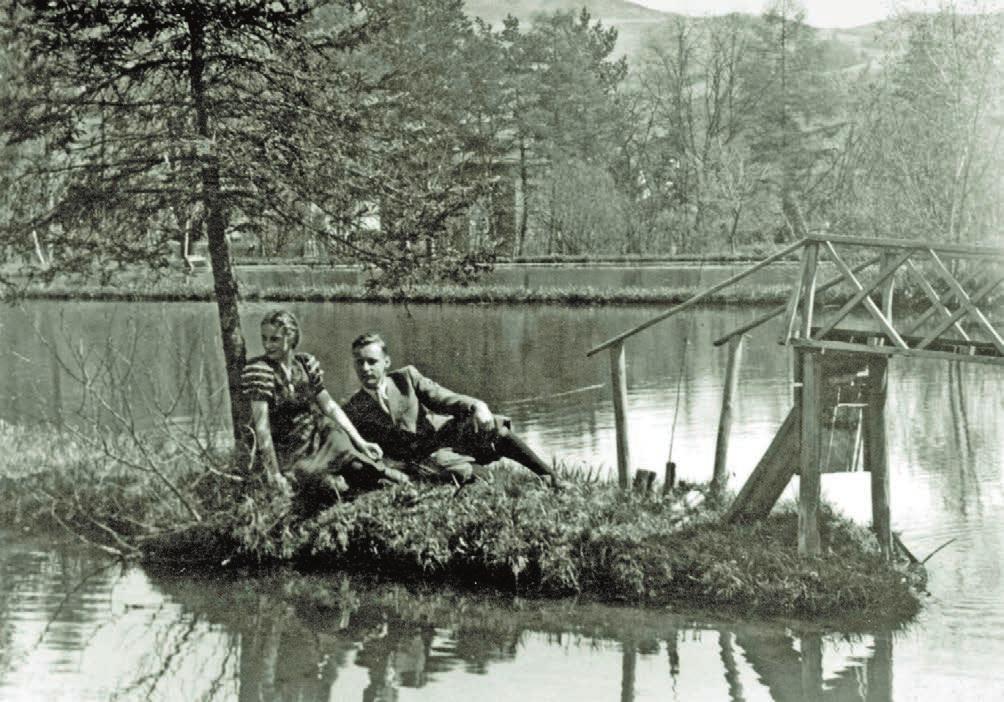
(417, 139)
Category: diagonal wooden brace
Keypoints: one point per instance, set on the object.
(937, 303)
(946, 299)
(883, 275)
(967, 304)
(962, 312)
(868, 302)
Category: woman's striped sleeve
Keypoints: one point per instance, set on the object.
(258, 381)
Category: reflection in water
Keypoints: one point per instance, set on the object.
(289, 637)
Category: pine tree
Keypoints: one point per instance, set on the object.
(151, 117)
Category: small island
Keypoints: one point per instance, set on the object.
(509, 534)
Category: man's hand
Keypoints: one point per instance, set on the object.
(371, 451)
(483, 418)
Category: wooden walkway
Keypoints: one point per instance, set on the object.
(948, 313)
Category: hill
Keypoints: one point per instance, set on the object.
(493, 11)
(632, 21)
(638, 26)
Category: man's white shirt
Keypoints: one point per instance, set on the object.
(380, 395)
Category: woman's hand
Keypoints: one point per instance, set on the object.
(483, 419)
(370, 450)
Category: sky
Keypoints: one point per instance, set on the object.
(820, 13)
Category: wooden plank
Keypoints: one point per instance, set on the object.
(781, 308)
(877, 453)
(896, 351)
(943, 343)
(791, 311)
(951, 250)
(884, 275)
(964, 300)
(809, 473)
(936, 304)
(719, 476)
(869, 303)
(809, 289)
(772, 474)
(618, 384)
(962, 312)
(696, 298)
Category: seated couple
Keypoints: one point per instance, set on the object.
(387, 431)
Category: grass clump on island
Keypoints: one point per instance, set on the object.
(511, 534)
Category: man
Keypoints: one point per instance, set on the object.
(393, 410)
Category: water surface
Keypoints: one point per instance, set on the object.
(945, 429)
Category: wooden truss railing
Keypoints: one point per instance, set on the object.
(953, 283)
(948, 322)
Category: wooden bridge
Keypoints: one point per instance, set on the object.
(945, 292)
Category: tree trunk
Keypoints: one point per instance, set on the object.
(733, 232)
(525, 191)
(224, 281)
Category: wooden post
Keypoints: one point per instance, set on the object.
(809, 288)
(887, 287)
(618, 384)
(809, 479)
(719, 476)
(876, 452)
(644, 481)
(669, 479)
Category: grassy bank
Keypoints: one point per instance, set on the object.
(172, 289)
(181, 291)
(510, 534)
(750, 256)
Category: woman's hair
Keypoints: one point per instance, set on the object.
(284, 320)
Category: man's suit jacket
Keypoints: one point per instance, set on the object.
(408, 431)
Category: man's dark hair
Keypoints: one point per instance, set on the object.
(367, 339)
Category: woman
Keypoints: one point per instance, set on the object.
(286, 391)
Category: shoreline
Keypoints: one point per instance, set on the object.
(166, 290)
(419, 294)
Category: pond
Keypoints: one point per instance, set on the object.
(946, 455)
